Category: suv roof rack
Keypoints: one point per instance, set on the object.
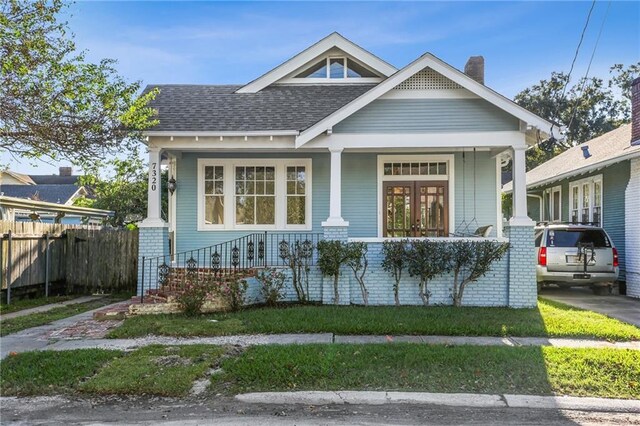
(585, 223)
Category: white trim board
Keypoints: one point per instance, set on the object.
(448, 158)
(427, 60)
(280, 165)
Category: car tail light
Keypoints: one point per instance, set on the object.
(616, 261)
(542, 256)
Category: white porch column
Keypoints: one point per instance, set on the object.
(335, 190)
(519, 168)
(154, 192)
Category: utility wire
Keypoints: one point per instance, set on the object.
(586, 74)
(575, 57)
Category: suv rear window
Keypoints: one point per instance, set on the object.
(573, 237)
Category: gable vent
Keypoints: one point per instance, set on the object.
(428, 79)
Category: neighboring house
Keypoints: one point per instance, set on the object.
(58, 189)
(337, 142)
(597, 182)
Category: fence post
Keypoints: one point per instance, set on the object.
(46, 265)
(9, 266)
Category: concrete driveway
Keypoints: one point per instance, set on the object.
(624, 308)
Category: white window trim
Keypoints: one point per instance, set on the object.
(579, 184)
(450, 176)
(229, 165)
(327, 79)
(551, 204)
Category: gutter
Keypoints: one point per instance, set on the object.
(20, 203)
(228, 134)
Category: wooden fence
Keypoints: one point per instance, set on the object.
(83, 258)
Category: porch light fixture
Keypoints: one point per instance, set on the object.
(171, 185)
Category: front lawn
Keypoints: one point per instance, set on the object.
(14, 325)
(451, 369)
(19, 305)
(550, 319)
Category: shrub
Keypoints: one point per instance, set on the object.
(298, 258)
(332, 255)
(471, 260)
(272, 282)
(394, 261)
(426, 260)
(192, 296)
(357, 261)
(232, 291)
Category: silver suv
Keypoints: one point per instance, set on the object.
(575, 255)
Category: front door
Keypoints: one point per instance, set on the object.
(415, 209)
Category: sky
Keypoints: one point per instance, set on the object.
(211, 42)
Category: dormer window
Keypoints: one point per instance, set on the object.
(337, 68)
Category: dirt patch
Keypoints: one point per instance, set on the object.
(172, 361)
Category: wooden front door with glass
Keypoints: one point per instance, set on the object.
(415, 209)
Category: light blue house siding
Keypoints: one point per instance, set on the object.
(614, 183)
(428, 115)
(473, 197)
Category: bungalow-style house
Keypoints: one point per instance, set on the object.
(61, 189)
(336, 143)
(597, 182)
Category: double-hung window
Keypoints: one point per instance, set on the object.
(586, 200)
(254, 194)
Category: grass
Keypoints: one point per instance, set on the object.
(14, 325)
(409, 367)
(157, 370)
(549, 319)
(42, 373)
(19, 305)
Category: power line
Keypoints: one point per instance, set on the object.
(586, 74)
(575, 57)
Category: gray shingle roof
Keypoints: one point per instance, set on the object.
(218, 108)
(604, 148)
(50, 193)
(54, 179)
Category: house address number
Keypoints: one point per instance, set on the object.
(154, 176)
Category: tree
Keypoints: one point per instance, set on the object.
(332, 255)
(426, 260)
(125, 192)
(358, 262)
(587, 109)
(53, 103)
(394, 261)
(469, 261)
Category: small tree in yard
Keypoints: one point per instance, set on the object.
(426, 260)
(332, 255)
(470, 261)
(357, 261)
(394, 261)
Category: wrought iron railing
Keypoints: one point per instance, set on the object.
(241, 255)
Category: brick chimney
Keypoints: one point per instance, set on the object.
(65, 171)
(635, 112)
(474, 68)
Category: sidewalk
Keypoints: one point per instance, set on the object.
(83, 332)
(446, 399)
(45, 308)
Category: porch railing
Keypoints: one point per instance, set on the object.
(257, 250)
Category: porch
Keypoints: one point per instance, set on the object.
(240, 211)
